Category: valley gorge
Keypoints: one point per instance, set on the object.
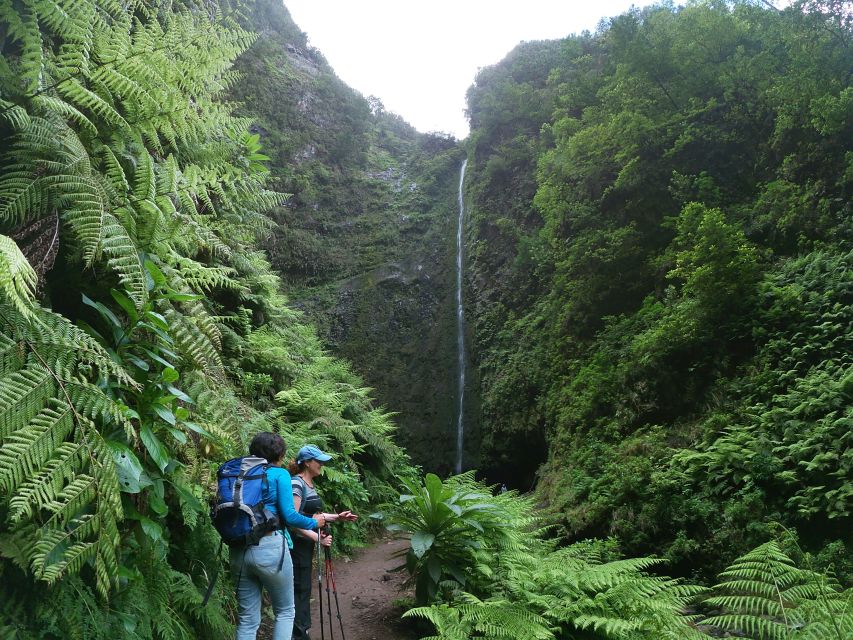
(367, 242)
(577, 220)
(593, 363)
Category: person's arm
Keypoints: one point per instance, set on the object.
(316, 536)
(347, 516)
(288, 512)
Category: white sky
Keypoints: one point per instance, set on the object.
(420, 56)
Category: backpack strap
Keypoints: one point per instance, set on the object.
(284, 550)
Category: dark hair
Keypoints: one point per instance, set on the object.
(269, 446)
(296, 467)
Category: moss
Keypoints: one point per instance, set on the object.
(365, 242)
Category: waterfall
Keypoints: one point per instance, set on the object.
(460, 322)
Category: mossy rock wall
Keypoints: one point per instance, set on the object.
(366, 243)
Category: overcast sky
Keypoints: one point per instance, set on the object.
(420, 56)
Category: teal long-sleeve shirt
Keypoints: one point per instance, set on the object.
(278, 498)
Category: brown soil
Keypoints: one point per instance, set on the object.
(367, 593)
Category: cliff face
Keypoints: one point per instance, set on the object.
(365, 243)
(507, 105)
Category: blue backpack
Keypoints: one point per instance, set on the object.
(239, 514)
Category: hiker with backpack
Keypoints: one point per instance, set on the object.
(308, 466)
(254, 505)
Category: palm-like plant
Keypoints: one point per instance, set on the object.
(456, 526)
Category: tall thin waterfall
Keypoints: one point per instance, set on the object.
(460, 322)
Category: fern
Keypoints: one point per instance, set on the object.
(491, 619)
(22, 395)
(63, 348)
(767, 597)
(17, 277)
(218, 411)
(120, 149)
(26, 450)
(57, 479)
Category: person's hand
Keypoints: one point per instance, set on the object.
(320, 519)
(325, 539)
(348, 516)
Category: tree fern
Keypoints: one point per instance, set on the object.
(17, 277)
(57, 480)
(767, 597)
(491, 619)
(119, 147)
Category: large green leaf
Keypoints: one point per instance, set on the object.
(131, 475)
(159, 452)
(421, 542)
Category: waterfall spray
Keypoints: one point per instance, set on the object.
(460, 322)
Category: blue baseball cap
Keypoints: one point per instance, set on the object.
(310, 452)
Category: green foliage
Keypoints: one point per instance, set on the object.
(499, 577)
(474, 618)
(364, 235)
(132, 201)
(660, 254)
(457, 527)
(60, 487)
(19, 278)
(580, 591)
(765, 596)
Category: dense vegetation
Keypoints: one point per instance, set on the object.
(365, 244)
(662, 279)
(486, 569)
(144, 334)
(660, 282)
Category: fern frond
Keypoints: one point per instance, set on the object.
(144, 185)
(14, 115)
(25, 451)
(99, 231)
(114, 172)
(216, 411)
(768, 597)
(11, 355)
(45, 104)
(74, 556)
(22, 395)
(22, 198)
(65, 349)
(44, 487)
(200, 277)
(17, 278)
(90, 401)
(76, 494)
(31, 66)
(193, 340)
(73, 91)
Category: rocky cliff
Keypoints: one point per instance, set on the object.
(365, 243)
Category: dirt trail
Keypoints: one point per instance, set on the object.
(367, 589)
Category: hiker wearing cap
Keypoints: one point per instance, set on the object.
(308, 466)
(268, 564)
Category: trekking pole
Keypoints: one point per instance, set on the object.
(320, 586)
(335, 590)
(329, 595)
